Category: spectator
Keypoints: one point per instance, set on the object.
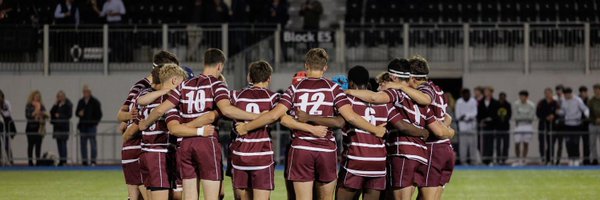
(559, 93)
(478, 93)
(194, 31)
(487, 118)
(66, 13)
(466, 115)
(7, 127)
(572, 109)
(89, 113)
(278, 12)
(35, 112)
(503, 135)
(60, 114)
(594, 106)
(524, 116)
(545, 112)
(585, 136)
(311, 11)
(113, 10)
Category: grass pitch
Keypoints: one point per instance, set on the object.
(465, 184)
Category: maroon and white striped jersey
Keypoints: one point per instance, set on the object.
(132, 146)
(136, 89)
(364, 153)
(156, 137)
(419, 116)
(196, 97)
(438, 106)
(254, 150)
(315, 96)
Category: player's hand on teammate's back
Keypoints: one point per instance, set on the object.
(134, 113)
(302, 116)
(381, 130)
(209, 130)
(240, 129)
(319, 131)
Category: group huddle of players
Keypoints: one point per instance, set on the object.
(395, 140)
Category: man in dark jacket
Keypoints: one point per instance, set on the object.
(60, 114)
(89, 113)
(487, 117)
(546, 113)
(501, 138)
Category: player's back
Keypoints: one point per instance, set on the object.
(438, 106)
(130, 102)
(366, 153)
(400, 144)
(318, 97)
(196, 97)
(253, 149)
(156, 138)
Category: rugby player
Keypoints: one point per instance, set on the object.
(406, 153)
(311, 157)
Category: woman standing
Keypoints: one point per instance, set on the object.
(35, 112)
(8, 127)
(60, 114)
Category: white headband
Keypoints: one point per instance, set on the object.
(399, 73)
(419, 75)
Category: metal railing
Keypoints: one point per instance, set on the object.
(544, 146)
(455, 47)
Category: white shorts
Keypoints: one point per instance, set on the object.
(523, 137)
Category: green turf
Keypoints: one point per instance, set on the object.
(509, 184)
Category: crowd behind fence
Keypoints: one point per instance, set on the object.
(459, 47)
(110, 141)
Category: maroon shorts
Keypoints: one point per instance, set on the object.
(262, 179)
(157, 170)
(352, 181)
(440, 167)
(131, 166)
(201, 158)
(403, 171)
(304, 165)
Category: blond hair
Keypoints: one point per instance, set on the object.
(170, 70)
(316, 58)
(32, 94)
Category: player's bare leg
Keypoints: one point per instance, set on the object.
(177, 194)
(326, 190)
(261, 194)
(211, 189)
(133, 192)
(429, 193)
(304, 190)
(190, 189)
(439, 192)
(159, 194)
(371, 194)
(345, 193)
(144, 192)
(404, 193)
(243, 194)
